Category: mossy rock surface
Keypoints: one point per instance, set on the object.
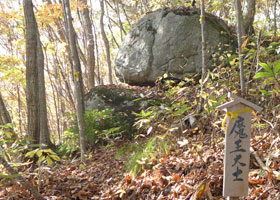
(113, 96)
(119, 99)
(125, 99)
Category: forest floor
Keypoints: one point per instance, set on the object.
(193, 169)
(182, 174)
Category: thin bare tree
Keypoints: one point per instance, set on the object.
(275, 19)
(203, 55)
(203, 39)
(240, 41)
(4, 114)
(87, 25)
(77, 74)
(106, 43)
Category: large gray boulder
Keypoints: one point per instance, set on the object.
(167, 41)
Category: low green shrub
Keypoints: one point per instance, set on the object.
(141, 156)
(103, 127)
(69, 145)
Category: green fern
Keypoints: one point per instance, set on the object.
(142, 155)
(128, 150)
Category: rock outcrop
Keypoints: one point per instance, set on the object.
(168, 41)
(118, 99)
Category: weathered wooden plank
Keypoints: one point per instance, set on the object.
(248, 103)
(228, 104)
(237, 146)
(237, 153)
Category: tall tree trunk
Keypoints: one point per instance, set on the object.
(203, 55)
(97, 58)
(19, 110)
(5, 118)
(4, 114)
(249, 16)
(87, 24)
(37, 121)
(106, 43)
(119, 19)
(203, 39)
(56, 98)
(124, 11)
(32, 95)
(112, 34)
(267, 13)
(238, 11)
(78, 81)
(44, 128)
(68, 88)
(275, 19)
(60, 95)
(239, 35)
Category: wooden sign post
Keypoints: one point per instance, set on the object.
(237, 146)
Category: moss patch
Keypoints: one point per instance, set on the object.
(114, 95)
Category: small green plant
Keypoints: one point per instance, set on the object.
(7, 135)
(142, 155)
(144, 118)
(271, 75)
(127, 150)
(44, 156)
(179, 108)
(143, 114)
(69, 146)
(13, 147)
(212, 102)
(103, 126)
(271, 71)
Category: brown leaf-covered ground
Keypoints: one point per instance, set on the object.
(193, 169)
(187, 172)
